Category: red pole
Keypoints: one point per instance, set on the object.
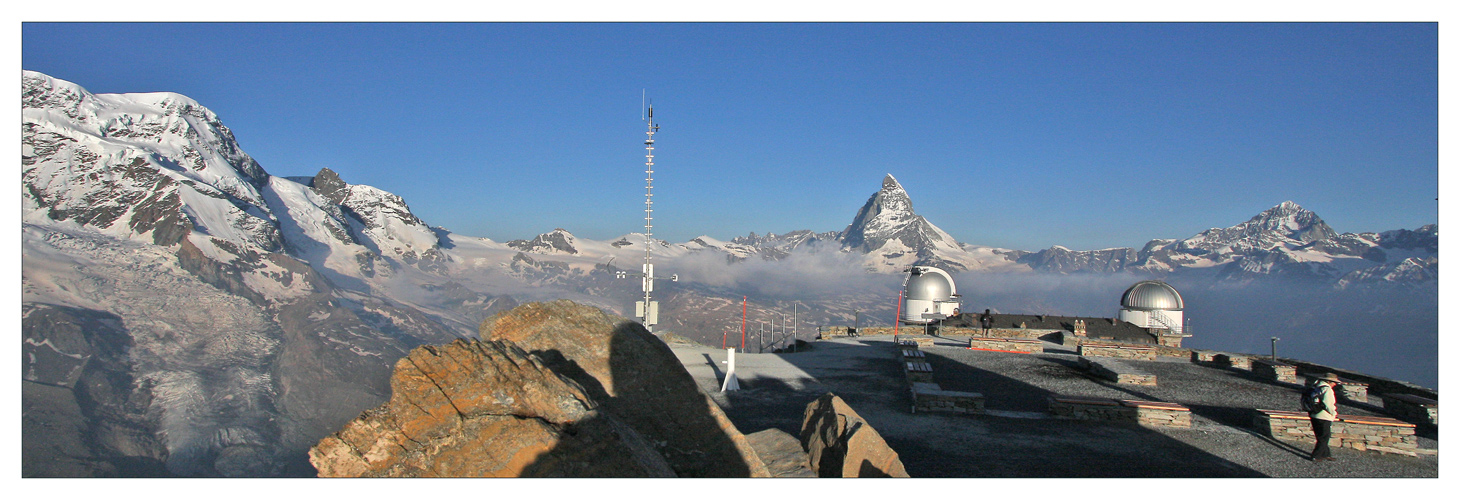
(744, 305)
(723, 337)
(898, 319)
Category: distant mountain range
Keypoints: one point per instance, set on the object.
(258, 313)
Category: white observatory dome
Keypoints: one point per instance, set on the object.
(928, 293)
(1152, 295)
(929, 286)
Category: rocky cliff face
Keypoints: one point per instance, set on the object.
(559, 390)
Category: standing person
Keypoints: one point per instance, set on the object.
(1322, 409)
(986, 320)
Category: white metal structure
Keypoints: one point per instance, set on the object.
(1152, 304)
(928, 295)
(647, 310)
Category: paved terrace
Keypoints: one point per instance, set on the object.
(1016, 437)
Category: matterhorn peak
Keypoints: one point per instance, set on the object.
(889, 183)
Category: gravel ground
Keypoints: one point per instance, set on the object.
(1016, 438)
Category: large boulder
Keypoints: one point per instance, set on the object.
(485, 409)
(781, 453)
(840, 443)
(637, 378)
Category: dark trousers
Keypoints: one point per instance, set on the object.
(1323, 430)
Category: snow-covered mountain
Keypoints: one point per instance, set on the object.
(1285, 241)
(257, 312)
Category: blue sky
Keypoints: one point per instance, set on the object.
(1012, 135)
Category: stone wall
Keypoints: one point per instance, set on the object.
(1117, 371)
(1378, 434)
(1234, 361)
(930, 397)
(1146, 413)
(828, 332)
(1172, 352)
(1276, 370)
(1159, 414)
(1202, 356)
(1123, 351)
(1006, 345)
(1413, 408)
(1005, 333)
(887, 330)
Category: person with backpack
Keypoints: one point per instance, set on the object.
(986, 320)
(1322, 407)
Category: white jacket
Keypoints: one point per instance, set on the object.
(1329, 409)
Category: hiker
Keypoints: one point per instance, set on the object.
(1322, 409)
(987, 320)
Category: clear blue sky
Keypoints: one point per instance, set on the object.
(1012, 135)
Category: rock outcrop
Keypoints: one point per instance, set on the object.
(637, 378)
(841, 444)
(557, 390)
(484, 409)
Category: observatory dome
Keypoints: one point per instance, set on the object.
(929, 286)
(1152, 295)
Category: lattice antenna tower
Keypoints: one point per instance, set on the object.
(648, 310)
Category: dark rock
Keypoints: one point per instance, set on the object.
(781, 452)
(840, 443)
(329, 185)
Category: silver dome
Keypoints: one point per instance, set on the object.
(1150, 295)
(928, 286)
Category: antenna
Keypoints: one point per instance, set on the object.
(648, 310)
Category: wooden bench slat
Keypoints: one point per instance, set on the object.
(1154, 404)
(1085, 401)
(1389, 422)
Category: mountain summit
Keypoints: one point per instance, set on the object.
(887, 229)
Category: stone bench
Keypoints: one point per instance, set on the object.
(1204, 356)
(1148, 413)
(1413, 408)
(930, 397)
(1378, 434)
(1276, 370)
(1124, 351)
(918, 371)
(1233, 360)
(1020, 346)
(1117, 371)
(917, 341)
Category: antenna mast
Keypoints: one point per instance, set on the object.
(647, 310)
(649, 318)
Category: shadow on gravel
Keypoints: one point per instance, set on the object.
(1017, 447)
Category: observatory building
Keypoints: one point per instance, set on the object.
(1153, 304)
(928, 296)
